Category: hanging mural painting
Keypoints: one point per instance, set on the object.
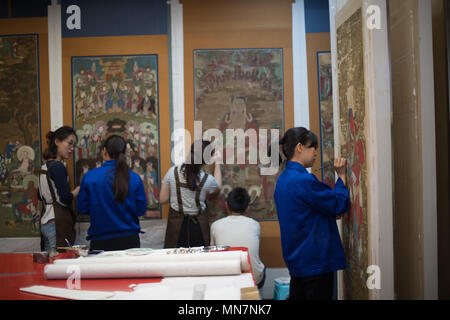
(352, 113)
(241, 90)
(118, 95)
(20, 145)
(326, 117)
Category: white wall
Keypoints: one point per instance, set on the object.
(55, 65)
(177, 60)
(301, 103)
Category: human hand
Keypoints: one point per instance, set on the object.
(76, 191)
(340, 165)
(218, 158)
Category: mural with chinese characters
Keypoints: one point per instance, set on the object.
(241, 89)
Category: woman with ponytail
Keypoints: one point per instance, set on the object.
(307, 211)
(114, 198)
(57, 217)
(186, 188)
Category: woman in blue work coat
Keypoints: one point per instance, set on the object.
(114, 197)
(307, 211)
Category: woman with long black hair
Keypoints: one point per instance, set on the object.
(114, 197)
(186, 188)
(307, 211)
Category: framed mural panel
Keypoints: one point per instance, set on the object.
(20, 145)
(352, 113)
(324, 74)
(241, 89)
(118, 95)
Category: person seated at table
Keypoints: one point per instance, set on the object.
(237, 230)
(114, 197)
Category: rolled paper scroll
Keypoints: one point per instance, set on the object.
(242, 256)
(142, 269)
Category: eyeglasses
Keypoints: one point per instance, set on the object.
(71, 143)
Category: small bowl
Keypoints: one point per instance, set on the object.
(41, 257)
(81, 250)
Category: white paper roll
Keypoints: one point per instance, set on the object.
(159, 257)
(245, 265)
(142, 270)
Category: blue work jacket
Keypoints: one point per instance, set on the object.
(109, 218)
(307, 210)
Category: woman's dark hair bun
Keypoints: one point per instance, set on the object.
(61, 134)
(297, 135)
(50, 136)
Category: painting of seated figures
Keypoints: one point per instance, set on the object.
(118, 95)
(20, 146)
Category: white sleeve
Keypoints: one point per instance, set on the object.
(211, 184)
(167, 177)
(213, 240)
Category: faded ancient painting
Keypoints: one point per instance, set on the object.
(352, 109)
(241, 90)
(118, 95)
(20, 146)
(326, 117)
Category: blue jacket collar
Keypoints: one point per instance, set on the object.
(295, 166)
(109, 163)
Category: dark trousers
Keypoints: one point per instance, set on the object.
(317, 287)
(261, 283)
(191, 233)
(119, 243)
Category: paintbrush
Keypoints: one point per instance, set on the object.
(328, 164)
(324, 167)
